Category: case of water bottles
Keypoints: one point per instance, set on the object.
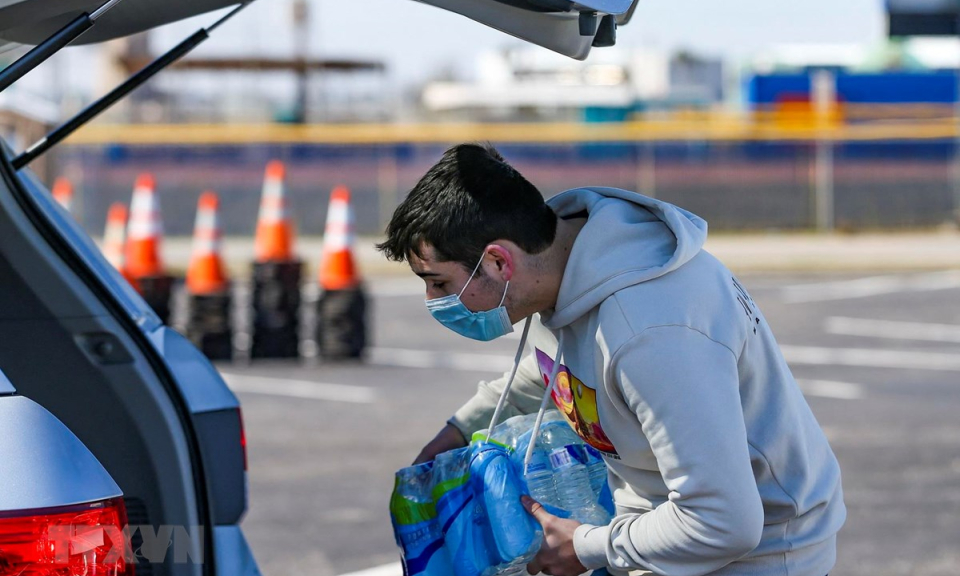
(461, 514)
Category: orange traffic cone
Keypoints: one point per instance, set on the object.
(337, 268)
(274, 238)
(206, 273)
(63, 193)
(115, 235)
(144, 231)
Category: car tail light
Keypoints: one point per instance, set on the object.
(243, 439)
(82, 540)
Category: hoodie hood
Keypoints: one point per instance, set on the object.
(629, 238)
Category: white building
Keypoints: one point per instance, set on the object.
(527, 83)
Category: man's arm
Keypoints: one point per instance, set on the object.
(684, 389)
(524, 398)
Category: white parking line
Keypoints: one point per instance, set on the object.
(893, 329)
(871, 286)
(467, 361)
(397, 287)
(871, 358)
(246, 384)
(392, 569)
(808, 355)
(831, 389)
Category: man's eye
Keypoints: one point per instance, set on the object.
(439, 285)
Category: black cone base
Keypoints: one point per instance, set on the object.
(342, 324)
(209, 325)
(156, 291)
(276, 310)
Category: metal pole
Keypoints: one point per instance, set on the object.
(387, 183)
(91, 111)
(39, 54)
(301, 49)
(824, 99)
(956, 143)
(823, 182)
(956, 140)
(646, 169)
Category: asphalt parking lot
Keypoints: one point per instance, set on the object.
(877, 356)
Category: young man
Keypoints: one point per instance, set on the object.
(668, 368)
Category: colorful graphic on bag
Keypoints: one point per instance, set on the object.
(578, 404)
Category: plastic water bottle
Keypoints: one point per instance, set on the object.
(514, 570)
(508, 432)
(512, 534)
(596, 468)
(539, 472)
(571, 478)
(460, 515)
(515, 433)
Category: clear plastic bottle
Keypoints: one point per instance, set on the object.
(508, 432)
(514, 433)
(466, 545)
(539, 472)
(571, 478)
(596, 468)
(514, 570)
(512, 534)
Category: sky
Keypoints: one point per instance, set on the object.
(416, 40)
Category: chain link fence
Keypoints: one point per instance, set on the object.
(734, 185)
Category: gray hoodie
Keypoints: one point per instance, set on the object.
(669, 369)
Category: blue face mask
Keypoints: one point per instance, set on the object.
(484, 326)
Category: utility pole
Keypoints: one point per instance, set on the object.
(301, 39)
(824, 102)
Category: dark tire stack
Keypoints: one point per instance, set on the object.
(276, 310)
(209, 326)
(156, 292)
(342, 324)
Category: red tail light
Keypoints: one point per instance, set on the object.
(82, 540)
(243, 439)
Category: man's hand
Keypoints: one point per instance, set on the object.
(556, 556)
(449, 438)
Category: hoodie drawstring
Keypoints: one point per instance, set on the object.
(513, 373)
(551, 383)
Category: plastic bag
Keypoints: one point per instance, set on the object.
(415, 526)
(461, 515)
(514, 533)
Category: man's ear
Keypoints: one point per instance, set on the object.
(502, 260)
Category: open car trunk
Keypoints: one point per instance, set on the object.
(565, 26)
(32, 21)
(79, 342)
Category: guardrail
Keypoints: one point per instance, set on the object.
(761, 127)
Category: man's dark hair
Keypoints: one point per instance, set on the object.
(468, 199)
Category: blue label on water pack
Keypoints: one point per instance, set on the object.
(538, 462)
(567, 456)
(592, 453)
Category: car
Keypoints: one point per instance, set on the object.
(122, 449)
(102, 405)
